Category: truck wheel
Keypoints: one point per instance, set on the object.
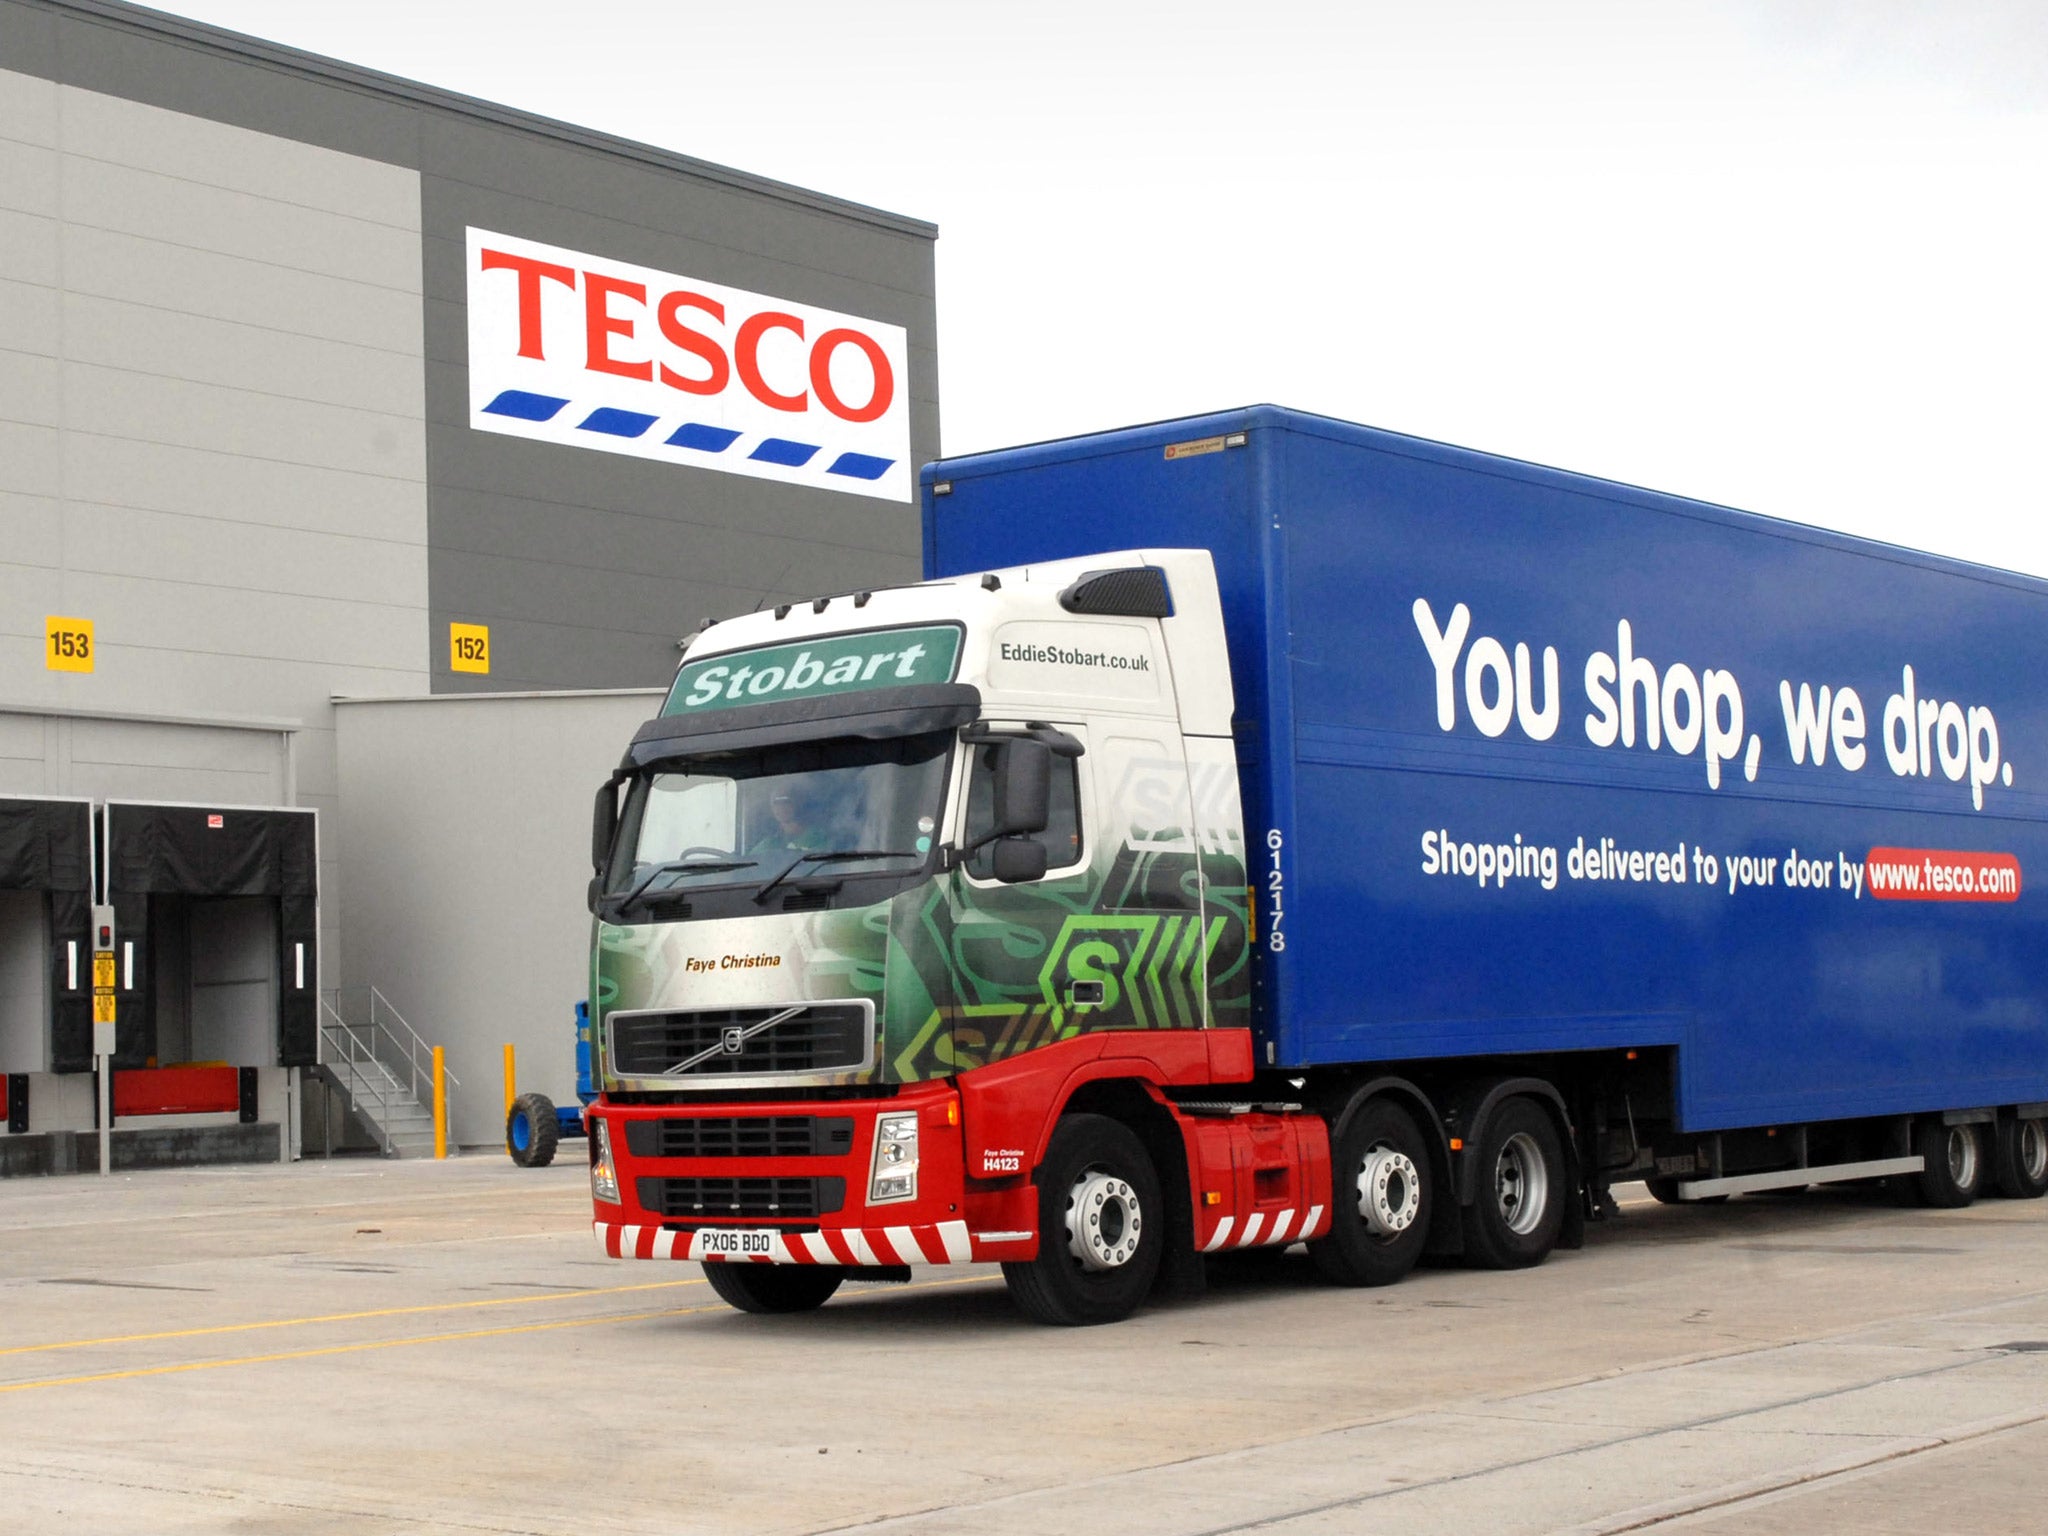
(1101, 1227)
(1382, 1202)
(531, 1130)
(774, 1287)
(1954, 1156)
(1518, 1209)
(2020, 1161)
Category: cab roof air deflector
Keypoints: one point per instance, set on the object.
(1130, 592)
(871, 715)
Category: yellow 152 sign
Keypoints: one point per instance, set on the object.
(469, 648)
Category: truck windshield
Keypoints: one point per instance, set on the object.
(734, 818)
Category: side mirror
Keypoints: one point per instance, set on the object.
(604, 826)
(1023, 789)
(1019, 859)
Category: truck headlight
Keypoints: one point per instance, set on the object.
(604, 1178)
(895, 1171)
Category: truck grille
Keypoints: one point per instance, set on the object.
(818, 1037)
(718, 1199)
(737, 1136)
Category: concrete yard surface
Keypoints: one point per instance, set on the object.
(412, 1347)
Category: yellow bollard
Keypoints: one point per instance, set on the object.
(440, 1103)
(511, 1083)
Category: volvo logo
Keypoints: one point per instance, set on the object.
(735, 1040)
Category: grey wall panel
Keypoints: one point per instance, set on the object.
(32, 313)
(189, 684)
(232, 555)
(28, 247)
(203, 152)
(28, 178)
(650, 604)
(163, 343)
(145, 59)
(31, 529)
(25, 749)
(27, 593)
(154, 781)
(29, 391)
(477, 812)
(102, 195)
(114, 265)
(247, 422)
(126, 472)
(689, 540)
(28, 106)
(317, 779)
(237, 754)
(226, 622)
(28, 459)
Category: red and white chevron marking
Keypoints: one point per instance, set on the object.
(1257, 1232)
(946, 1243)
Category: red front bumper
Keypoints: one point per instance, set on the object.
(723, 1203)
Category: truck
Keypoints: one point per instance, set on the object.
(1259, 830)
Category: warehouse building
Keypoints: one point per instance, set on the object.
(365, 450)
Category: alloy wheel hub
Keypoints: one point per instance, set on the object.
(1389, 1192)
(1103, 1221)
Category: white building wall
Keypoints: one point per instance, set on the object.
(465, 838)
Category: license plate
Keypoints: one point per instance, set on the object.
(734, 1243)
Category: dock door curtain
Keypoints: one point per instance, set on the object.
(191, 851)
(46, 845)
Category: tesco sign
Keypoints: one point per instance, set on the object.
(592, 353)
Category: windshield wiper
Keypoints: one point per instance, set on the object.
(835, 854)
(678, 867)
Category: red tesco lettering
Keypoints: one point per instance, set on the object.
(614, 309)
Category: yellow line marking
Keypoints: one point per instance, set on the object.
(426, 1338)
(345, 1317)
(345, 1349)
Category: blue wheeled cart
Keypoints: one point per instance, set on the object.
(534, 1125)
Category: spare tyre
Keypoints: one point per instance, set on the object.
(531, 1130)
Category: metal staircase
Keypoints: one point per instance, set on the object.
(382, 1068)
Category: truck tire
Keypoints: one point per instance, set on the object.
(774, 1288)
(1383, 1196)
(1518, 1207)
(2019, 1161)
(1954, 1157)
(531, 1130)
(1101, 1227)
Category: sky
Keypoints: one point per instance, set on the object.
(1788, 255)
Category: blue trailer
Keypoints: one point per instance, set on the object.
(1544, 763)
(1261, 829)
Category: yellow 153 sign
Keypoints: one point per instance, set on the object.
(67, 644)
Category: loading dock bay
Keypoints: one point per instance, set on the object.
(372, 1346)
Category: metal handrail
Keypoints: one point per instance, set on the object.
(403, 1062)
(340, 1038)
